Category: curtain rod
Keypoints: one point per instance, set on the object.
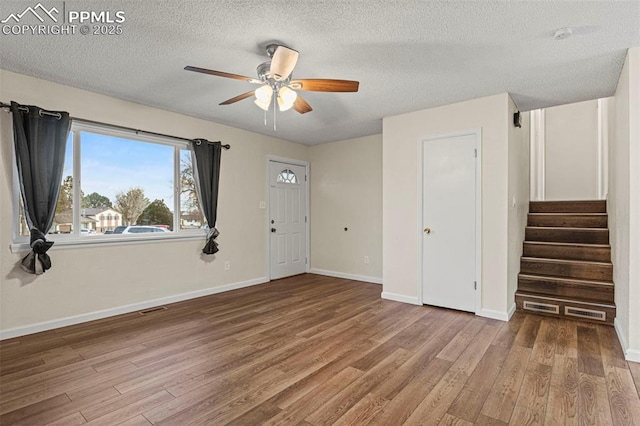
(82, 120)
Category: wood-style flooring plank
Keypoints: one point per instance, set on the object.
(610, 350)
(300, 409)
(349, 396)
(622, 396)
(593, 401)
(313, 350)
(634, 368)
(70, 420)
(502, 399)
(528, 332)
(562, 405)
(451, 420)
(434, 407)
(567, 338)
(589, 355)
(531, 405)
(469, 402)
(364, 410)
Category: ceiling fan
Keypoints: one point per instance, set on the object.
(274, 76)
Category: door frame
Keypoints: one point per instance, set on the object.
(267, 226)
(478, 135)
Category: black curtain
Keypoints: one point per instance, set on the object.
(207, 176)
(40, 140)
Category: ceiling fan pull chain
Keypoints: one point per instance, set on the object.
(265, 117)
(274, 111)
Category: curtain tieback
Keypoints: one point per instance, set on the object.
(37, 261)
(212, 246)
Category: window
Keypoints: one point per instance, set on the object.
(287, 176)
(126, 178)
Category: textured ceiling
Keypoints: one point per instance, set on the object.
(407, 55)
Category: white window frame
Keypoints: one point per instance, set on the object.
(21, 243)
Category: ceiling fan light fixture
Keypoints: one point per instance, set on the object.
(286, 98)
(282, 63)
(263, 96)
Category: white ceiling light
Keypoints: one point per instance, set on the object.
(263, 96)
(286, 98)
(283, 60)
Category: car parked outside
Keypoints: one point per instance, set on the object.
(138, 229)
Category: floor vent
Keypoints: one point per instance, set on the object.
(150, 310)
(585, 313)
(541, 307)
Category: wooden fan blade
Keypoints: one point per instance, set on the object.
(282, 63)
(301, 105)
(221, 74)
(238, 98)
(325, 85)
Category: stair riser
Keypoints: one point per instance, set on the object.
(594, 254)
(587, 293)
(609, 312)
(568, 221)
(568, 207)
(585, 236)
(569, 270)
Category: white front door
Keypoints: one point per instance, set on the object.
(449, 222)
(287, 222)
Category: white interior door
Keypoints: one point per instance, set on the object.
(449, 222)
(287, 211)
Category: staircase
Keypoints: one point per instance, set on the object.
(565, 269)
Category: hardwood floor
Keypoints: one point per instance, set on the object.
(312, 350)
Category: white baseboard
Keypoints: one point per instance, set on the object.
(354, 277)
(497, 315)
(632, 355)
(91, 316)
(512, 310)
(400, 298)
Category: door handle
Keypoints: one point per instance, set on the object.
(273, 229)
(427, 230)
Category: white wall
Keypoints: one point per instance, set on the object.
(401, 135)
(624, 204)
(92, 279)
(518, 194)
(571, 151)
(346, 192)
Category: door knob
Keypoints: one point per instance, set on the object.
(427, 230)
(273, 229)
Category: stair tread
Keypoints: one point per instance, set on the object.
(567, 201)
(575, 280)
(554, 243)
(546, 259)
(567, 214)
(565, 299)
(571, 228)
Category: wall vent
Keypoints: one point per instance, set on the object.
(150, 310)
(585, 313)
(541, 307)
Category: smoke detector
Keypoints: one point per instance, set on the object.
(562, 33)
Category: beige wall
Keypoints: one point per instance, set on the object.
(518, 195)
(401, 135)
(571, 151)
(85, 280)
(624, 203)
(346, 192)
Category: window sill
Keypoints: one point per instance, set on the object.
(110, 241)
